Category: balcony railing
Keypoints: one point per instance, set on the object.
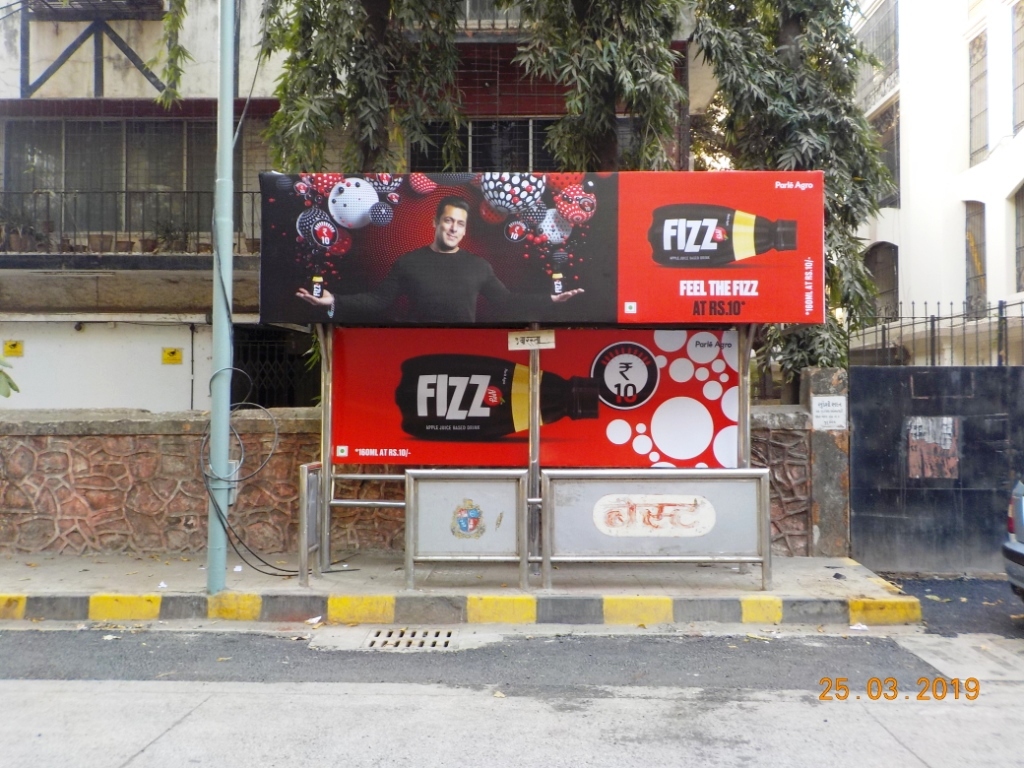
(122, 222)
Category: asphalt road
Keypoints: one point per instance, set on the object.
(966, 605)
(564, 665)
(152, 697)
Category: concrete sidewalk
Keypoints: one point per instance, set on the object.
(369, 588)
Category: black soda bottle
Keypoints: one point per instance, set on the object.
(476, 398)
(695, 235)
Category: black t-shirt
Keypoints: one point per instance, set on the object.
(439, 287)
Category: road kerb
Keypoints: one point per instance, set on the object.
(117, 607)
(877, 611)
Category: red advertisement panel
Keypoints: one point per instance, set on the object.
(564, 249)
(721, 248)
(609, 398)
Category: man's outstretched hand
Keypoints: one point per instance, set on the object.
(325, 300)
(555, 297)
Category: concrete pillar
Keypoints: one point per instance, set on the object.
(824, 392)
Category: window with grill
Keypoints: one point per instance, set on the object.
(879, 37)
(503, 145)
(1018, 205)
(114, 175)
(977, 293)
(1018, 67)
(887, 125)
(979, 98)
(882, 261)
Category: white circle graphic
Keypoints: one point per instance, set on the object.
(731, 349)
(723, 378)
(681, 370)
(701, 465)
(703, 347)
(712, 390)
(618, 431)
(725, 447)
(682, 428)
(660, 360)
(641, 429)
(702, 374)
(665, 464)
(654, 456)
(670, 341)
(731, 403)
(718, 365)
(642, 444)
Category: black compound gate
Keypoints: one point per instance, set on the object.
(934, 453)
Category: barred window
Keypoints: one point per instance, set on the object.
(880, 38)
(1018, 67)
(977, 293)
(887, 125)
(1018, 204)
(979, 99)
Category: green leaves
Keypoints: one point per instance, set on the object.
(7, 384)
(787, 73)
(367, 74)
(612, 57)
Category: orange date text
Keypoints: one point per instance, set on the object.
(888, 689)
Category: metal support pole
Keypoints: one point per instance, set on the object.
(746, 342)
(533, 482)
(223, 272)
(325, 336)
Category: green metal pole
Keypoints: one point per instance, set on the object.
(223, 269)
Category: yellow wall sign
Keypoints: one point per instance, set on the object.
(173, 356)
(14, 348)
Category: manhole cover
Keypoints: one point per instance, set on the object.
(411, 640)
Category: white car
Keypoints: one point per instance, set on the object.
(1013, 548)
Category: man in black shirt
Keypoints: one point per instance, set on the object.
(440, 281)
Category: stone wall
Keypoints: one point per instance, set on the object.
(130, 481)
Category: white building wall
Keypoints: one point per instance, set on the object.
(102, 364)
(936, 178)
(121, 79)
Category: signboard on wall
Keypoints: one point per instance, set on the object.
(609, 398)
(504, 248)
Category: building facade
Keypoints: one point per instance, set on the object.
(947, 99)
(107, 198)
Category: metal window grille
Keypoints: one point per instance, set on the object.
(1018, 67)
(979, 98)
(882, 261)
(879, 37)
(887, 125)
(977, 293)
(1018, 204)
(274, 362)
(501, 145)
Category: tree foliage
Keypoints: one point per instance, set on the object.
(611, 57)
(787, 74)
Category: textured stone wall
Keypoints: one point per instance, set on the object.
(110, 481)
(129, 481)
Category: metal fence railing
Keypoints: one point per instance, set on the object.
(129, 222)
(944, 334)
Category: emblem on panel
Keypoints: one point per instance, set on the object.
(468, 521)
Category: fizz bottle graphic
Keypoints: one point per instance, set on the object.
(696, 235)
(477, 398)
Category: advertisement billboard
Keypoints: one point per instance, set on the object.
(608, 398)
(564, 249)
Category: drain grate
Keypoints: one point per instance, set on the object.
(411, 640)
